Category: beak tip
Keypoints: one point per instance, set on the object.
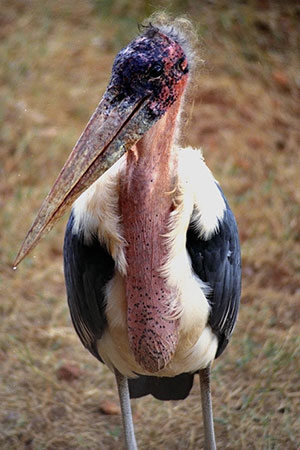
(20, 256)
(25, 248)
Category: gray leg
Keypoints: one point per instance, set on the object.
(208, 421)
(130, 443)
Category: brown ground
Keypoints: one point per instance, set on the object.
(244, 112)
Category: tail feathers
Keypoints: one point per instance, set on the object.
(162, 388)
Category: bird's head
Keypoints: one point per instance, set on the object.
(152, 67)
(148, 76)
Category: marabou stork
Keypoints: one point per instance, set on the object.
(151, 252)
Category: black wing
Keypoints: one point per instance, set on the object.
(87, 268)
(218, 262)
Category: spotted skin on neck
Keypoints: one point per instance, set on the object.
(146, 200)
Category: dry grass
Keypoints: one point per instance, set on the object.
(55, 63)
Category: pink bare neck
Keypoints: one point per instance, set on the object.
(146, 203)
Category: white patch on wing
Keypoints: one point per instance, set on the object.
(96, 212)
(198, 181)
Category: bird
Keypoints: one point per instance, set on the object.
(151, 251)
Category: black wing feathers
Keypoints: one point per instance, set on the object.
(217, 261)
(87, 268)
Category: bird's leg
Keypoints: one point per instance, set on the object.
(208, 421)
(122, 383)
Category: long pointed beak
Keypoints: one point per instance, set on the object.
(114, 127)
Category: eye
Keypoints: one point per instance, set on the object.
(155, 71)
(182, 65)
